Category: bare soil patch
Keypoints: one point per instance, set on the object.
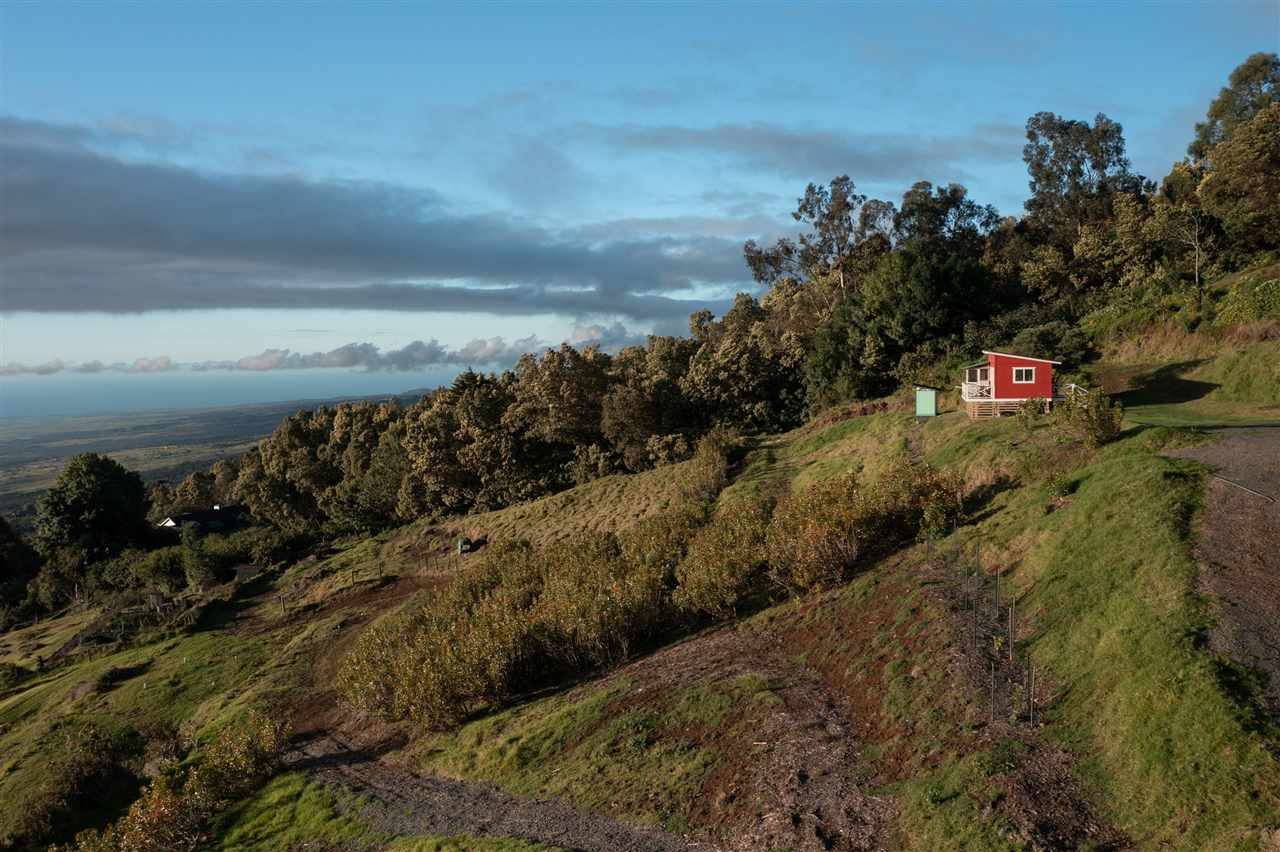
(788, 780)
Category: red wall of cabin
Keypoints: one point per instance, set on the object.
(1002, 385)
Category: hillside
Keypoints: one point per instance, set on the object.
(858, 717)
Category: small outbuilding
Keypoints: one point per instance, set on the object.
(926, 401)
(1004, 381)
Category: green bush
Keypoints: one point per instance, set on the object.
(516, 620)
(11, 675)
(820, 535)
(1094, 417)
(1250, 301)
(91, 757)
(173, 813)
(725, 565)
(162, 570)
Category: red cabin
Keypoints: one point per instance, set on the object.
(1004, 382)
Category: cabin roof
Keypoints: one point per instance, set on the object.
(1022, 357)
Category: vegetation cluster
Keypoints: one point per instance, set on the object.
(522, 619)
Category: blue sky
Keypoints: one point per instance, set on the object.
(254, 186)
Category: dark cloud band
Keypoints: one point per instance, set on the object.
(84, 231)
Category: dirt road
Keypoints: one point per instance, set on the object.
(1239, 548)
(405, 803)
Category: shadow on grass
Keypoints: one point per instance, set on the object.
(977, 504)
(1166, 386)
(1246, 686)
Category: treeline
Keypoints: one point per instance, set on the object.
(869, 295)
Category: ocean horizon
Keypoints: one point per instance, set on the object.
(79, 395)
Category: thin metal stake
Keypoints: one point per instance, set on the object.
(1011, 632)
(993, 692)
(1031, 693)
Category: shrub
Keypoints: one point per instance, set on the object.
(11, 675)
(1093, 417)
(725, 564)
(197, 566)
(667, 449)
(706, 475)
(242, 756)
(817, 537)
(1029, 413)
(163, 570)
(173, 812)
(92, 756)
(516, 620)
(1250, 301)
(1059, 484)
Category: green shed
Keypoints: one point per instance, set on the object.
(926, 401)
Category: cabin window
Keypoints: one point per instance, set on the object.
(1024, 375)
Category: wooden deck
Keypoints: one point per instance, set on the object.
(980, 408)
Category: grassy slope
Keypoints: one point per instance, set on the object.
(1107, 578)
(204, 678)
(1107, 582)
(610, 503)
(244, 652)
(292, 812)
(1186, 380)
(608, 747)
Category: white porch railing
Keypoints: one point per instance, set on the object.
(976, 390)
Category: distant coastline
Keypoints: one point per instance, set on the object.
(24, 398)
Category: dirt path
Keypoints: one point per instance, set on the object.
(789, 783)
(1239, 548)
(405, 803)
(785, 782)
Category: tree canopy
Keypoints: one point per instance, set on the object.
(95, 504)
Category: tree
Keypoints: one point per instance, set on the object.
(1242, 188)
(1179, 218)
(195, 492)
(558, 396)
(197, 565)
(370, 501)
(843, 226)
(95, 505)
(18, 565)
(1252, 87)
(1075, 169)
(745, 375)
(943, 219)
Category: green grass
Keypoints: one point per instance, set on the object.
(1109, 582)
(791, 461)
(945, 809)
(292, 811)
(633, 755)
(22, 647)
(1236, 386)
(171, 681)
